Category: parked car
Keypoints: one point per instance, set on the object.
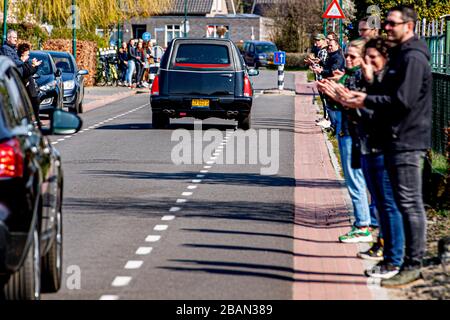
(73, 79)
(31, 192)
(50, 82)
(202, 78)
(259, 53)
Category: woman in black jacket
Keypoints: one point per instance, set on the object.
(29, 68)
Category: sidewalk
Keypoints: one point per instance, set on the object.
(95, 97)
(324, 267)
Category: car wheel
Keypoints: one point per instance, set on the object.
(73, 110)
(52, 261)
(159, 120)
(80, 107)
(25, 284)
(244, 122)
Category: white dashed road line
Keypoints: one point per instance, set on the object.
(121, 281)
(142, 251)
(134, 264)
(152, 238)
(161, 227)
(109, 297)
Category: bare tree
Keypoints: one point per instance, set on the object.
(294, 23)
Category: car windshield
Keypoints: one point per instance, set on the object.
(45, 68)
(202, 54)
(63, 63)
(265, 48)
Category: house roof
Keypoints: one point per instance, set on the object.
(194, 7)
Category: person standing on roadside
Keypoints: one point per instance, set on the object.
(9, 49)
(131, 63)
(404, 111)
(29, 69)
(366, 30)
(335, 64)
(123, 63)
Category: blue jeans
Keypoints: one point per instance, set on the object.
(333, 116)
(130, 71)
(354, 179)
(405, 173)
(391, 221)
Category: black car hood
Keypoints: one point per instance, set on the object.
(44, 79)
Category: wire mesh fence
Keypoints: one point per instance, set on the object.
(437, 35)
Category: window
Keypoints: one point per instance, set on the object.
(265, 48)
(138, 30)
(63, 63)
(7, 107)
(172, 31)
(211, 31)
(14, 100)
(45, 68)
(202, 54)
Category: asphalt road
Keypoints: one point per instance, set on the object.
(137, 226)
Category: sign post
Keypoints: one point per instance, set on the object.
(279, 58)
(334, 11)
(146, 36)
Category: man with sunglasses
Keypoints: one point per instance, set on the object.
(366, 30)
(404, 113)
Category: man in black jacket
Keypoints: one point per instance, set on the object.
(404, 114)
(335, 62)
(9, 49)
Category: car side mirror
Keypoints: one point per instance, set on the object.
(253, 72)
(63, 123)
(58, 72)
(83, 72)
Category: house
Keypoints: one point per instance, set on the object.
(203, 18)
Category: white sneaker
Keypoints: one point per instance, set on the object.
(324, 124)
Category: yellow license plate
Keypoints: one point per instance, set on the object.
(200, 102)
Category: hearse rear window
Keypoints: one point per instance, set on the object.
(197, 55)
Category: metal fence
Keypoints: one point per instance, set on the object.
(437, 35)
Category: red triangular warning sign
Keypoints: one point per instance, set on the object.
(334, 11)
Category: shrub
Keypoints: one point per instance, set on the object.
(294, 60)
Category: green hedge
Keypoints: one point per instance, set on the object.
(37, 36)
(294, 61)
(32, 34)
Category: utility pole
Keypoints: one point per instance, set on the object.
(119, 28)
(74, 29)
(5, 18)
(185, 18)
(341, 39)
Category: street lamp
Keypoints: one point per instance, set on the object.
(185, 18)
(74, 29)
(5, 17)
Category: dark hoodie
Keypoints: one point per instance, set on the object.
(402, 104)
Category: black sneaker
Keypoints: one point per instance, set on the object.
(402, 278)
(375, 253)
(382, 270)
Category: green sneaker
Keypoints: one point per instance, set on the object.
(374, 253)
(403, 278)
(357, 235)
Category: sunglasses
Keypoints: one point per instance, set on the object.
(373, 56)
(351, 56)
(393, 23)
